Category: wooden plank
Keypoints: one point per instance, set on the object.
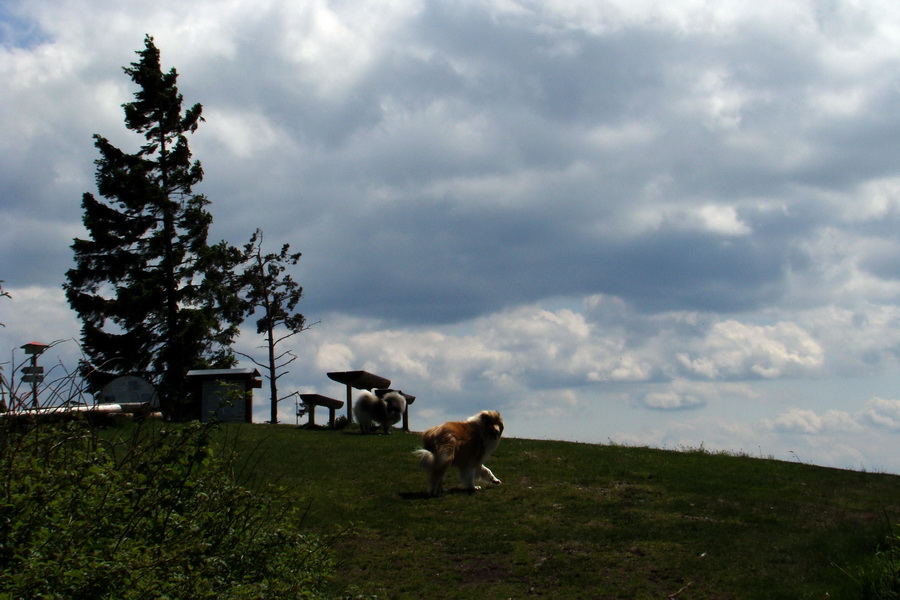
(319, 400)
(361, 380)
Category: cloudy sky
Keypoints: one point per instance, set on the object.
(673, 224)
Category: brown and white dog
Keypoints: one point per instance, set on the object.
(464, 445)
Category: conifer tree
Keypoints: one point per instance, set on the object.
(152, 294)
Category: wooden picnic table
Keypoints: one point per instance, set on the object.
(361, 380)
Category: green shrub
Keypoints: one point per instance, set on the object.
(880, 580)
(153, 513)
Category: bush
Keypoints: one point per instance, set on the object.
(152, 512)
(880, 579)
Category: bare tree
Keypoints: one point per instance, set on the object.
(272, 294)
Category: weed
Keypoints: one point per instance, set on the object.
(880, 579)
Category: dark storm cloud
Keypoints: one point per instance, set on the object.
(530, 96)
(476, 161)
(436, 263)
(457, 97)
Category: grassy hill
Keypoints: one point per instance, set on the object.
(580, 521)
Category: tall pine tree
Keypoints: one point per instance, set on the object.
(153, 296)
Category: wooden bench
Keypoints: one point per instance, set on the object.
(311, 401)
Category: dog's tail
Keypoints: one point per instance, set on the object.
(426, 459)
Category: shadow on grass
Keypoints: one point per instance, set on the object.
(376, 432)
(426, 496)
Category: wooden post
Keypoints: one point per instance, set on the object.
(34, 382)
(409, 400)
(349, 404)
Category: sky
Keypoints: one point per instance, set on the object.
(666, 224)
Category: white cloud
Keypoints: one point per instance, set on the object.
(735, 349)
(670, 399)
(244, 134)
(336, 44)
(686, 394)
(809, 422)
(334, 357)
(882, 413)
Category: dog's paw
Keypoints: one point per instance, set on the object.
(496, 481)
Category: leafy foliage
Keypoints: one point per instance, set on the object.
(153, 296)
(154, 514)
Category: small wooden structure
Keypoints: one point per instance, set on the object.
(313, 400)
(360, 380)
(223, 394)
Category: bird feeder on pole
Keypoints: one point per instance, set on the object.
(33, 374)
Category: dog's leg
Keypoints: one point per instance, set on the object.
(467, 475)
(367, 425)
(487, 476)
(436, 479)
(442, 462)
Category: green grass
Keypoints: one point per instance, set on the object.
(580, 521)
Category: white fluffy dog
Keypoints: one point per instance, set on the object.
(464, 445)
(383, 407)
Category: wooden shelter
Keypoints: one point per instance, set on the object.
(223, 394)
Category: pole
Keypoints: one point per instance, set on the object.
(349, 403)
(34, 382)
